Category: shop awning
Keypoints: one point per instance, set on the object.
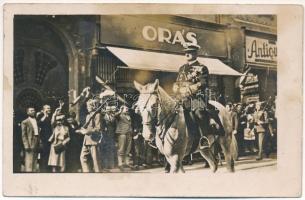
(145, 60)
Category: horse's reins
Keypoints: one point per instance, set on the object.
(160, 104)
(144, 108)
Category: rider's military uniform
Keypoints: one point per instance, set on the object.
(191, 88)
(192, 85)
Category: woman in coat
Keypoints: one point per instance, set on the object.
(59, 140)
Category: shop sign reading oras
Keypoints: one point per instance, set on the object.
(261, 51)
(160, 33)
(165, 35)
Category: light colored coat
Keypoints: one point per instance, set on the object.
(28, 138)
(94, 130)
(260, 118)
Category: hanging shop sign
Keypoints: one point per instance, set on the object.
(160, 33)
(250, 89)
(261, 51)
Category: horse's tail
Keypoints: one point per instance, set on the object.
(226, 120)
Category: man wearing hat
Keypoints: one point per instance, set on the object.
(191, 87)
(91, 139)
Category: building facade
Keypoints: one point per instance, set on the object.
(161, 37)
(259, 36)
(52, 59)
(55, 57)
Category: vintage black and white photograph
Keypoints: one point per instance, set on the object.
(140, 100)
(145, 93)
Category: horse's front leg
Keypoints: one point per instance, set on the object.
(167, 166)
(181, 167)
(174, 163)
(207, 154)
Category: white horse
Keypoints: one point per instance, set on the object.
(159, 112)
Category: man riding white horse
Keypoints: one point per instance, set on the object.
(191, 89)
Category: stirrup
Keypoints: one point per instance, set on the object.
(204, 143)
(152, 144)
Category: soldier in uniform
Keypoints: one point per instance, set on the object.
(191, 88)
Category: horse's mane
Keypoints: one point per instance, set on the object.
(168, 103)
(164, 94)
(168, 106)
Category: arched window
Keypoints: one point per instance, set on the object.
(18, 66)
(43, 64)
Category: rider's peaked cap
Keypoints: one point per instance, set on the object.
(190, 47)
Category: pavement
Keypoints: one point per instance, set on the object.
(244, 164)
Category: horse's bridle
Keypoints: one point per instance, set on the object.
(155, 119)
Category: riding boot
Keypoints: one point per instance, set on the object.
(197, 131)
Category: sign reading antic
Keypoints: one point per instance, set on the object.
(261, 51)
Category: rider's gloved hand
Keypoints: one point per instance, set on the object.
(195, 87)
(175, 88)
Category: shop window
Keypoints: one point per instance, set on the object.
(123, 75)
(43, 64)
(107, 66)
(18, 66)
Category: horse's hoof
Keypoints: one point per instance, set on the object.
(214, 168)
(231, 170)
(206, 165)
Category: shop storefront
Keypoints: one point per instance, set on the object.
(261, 57)
(144, 48)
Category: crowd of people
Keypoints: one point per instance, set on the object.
(254, 128)
(110, 138)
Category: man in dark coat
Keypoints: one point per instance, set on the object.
(108, 143)
(138, 139)
(74, 146)
(241, 125)
(44, 122)
(191, 88)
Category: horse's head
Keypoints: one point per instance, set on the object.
(148, 106)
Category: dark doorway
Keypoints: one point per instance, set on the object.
(40, 65)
